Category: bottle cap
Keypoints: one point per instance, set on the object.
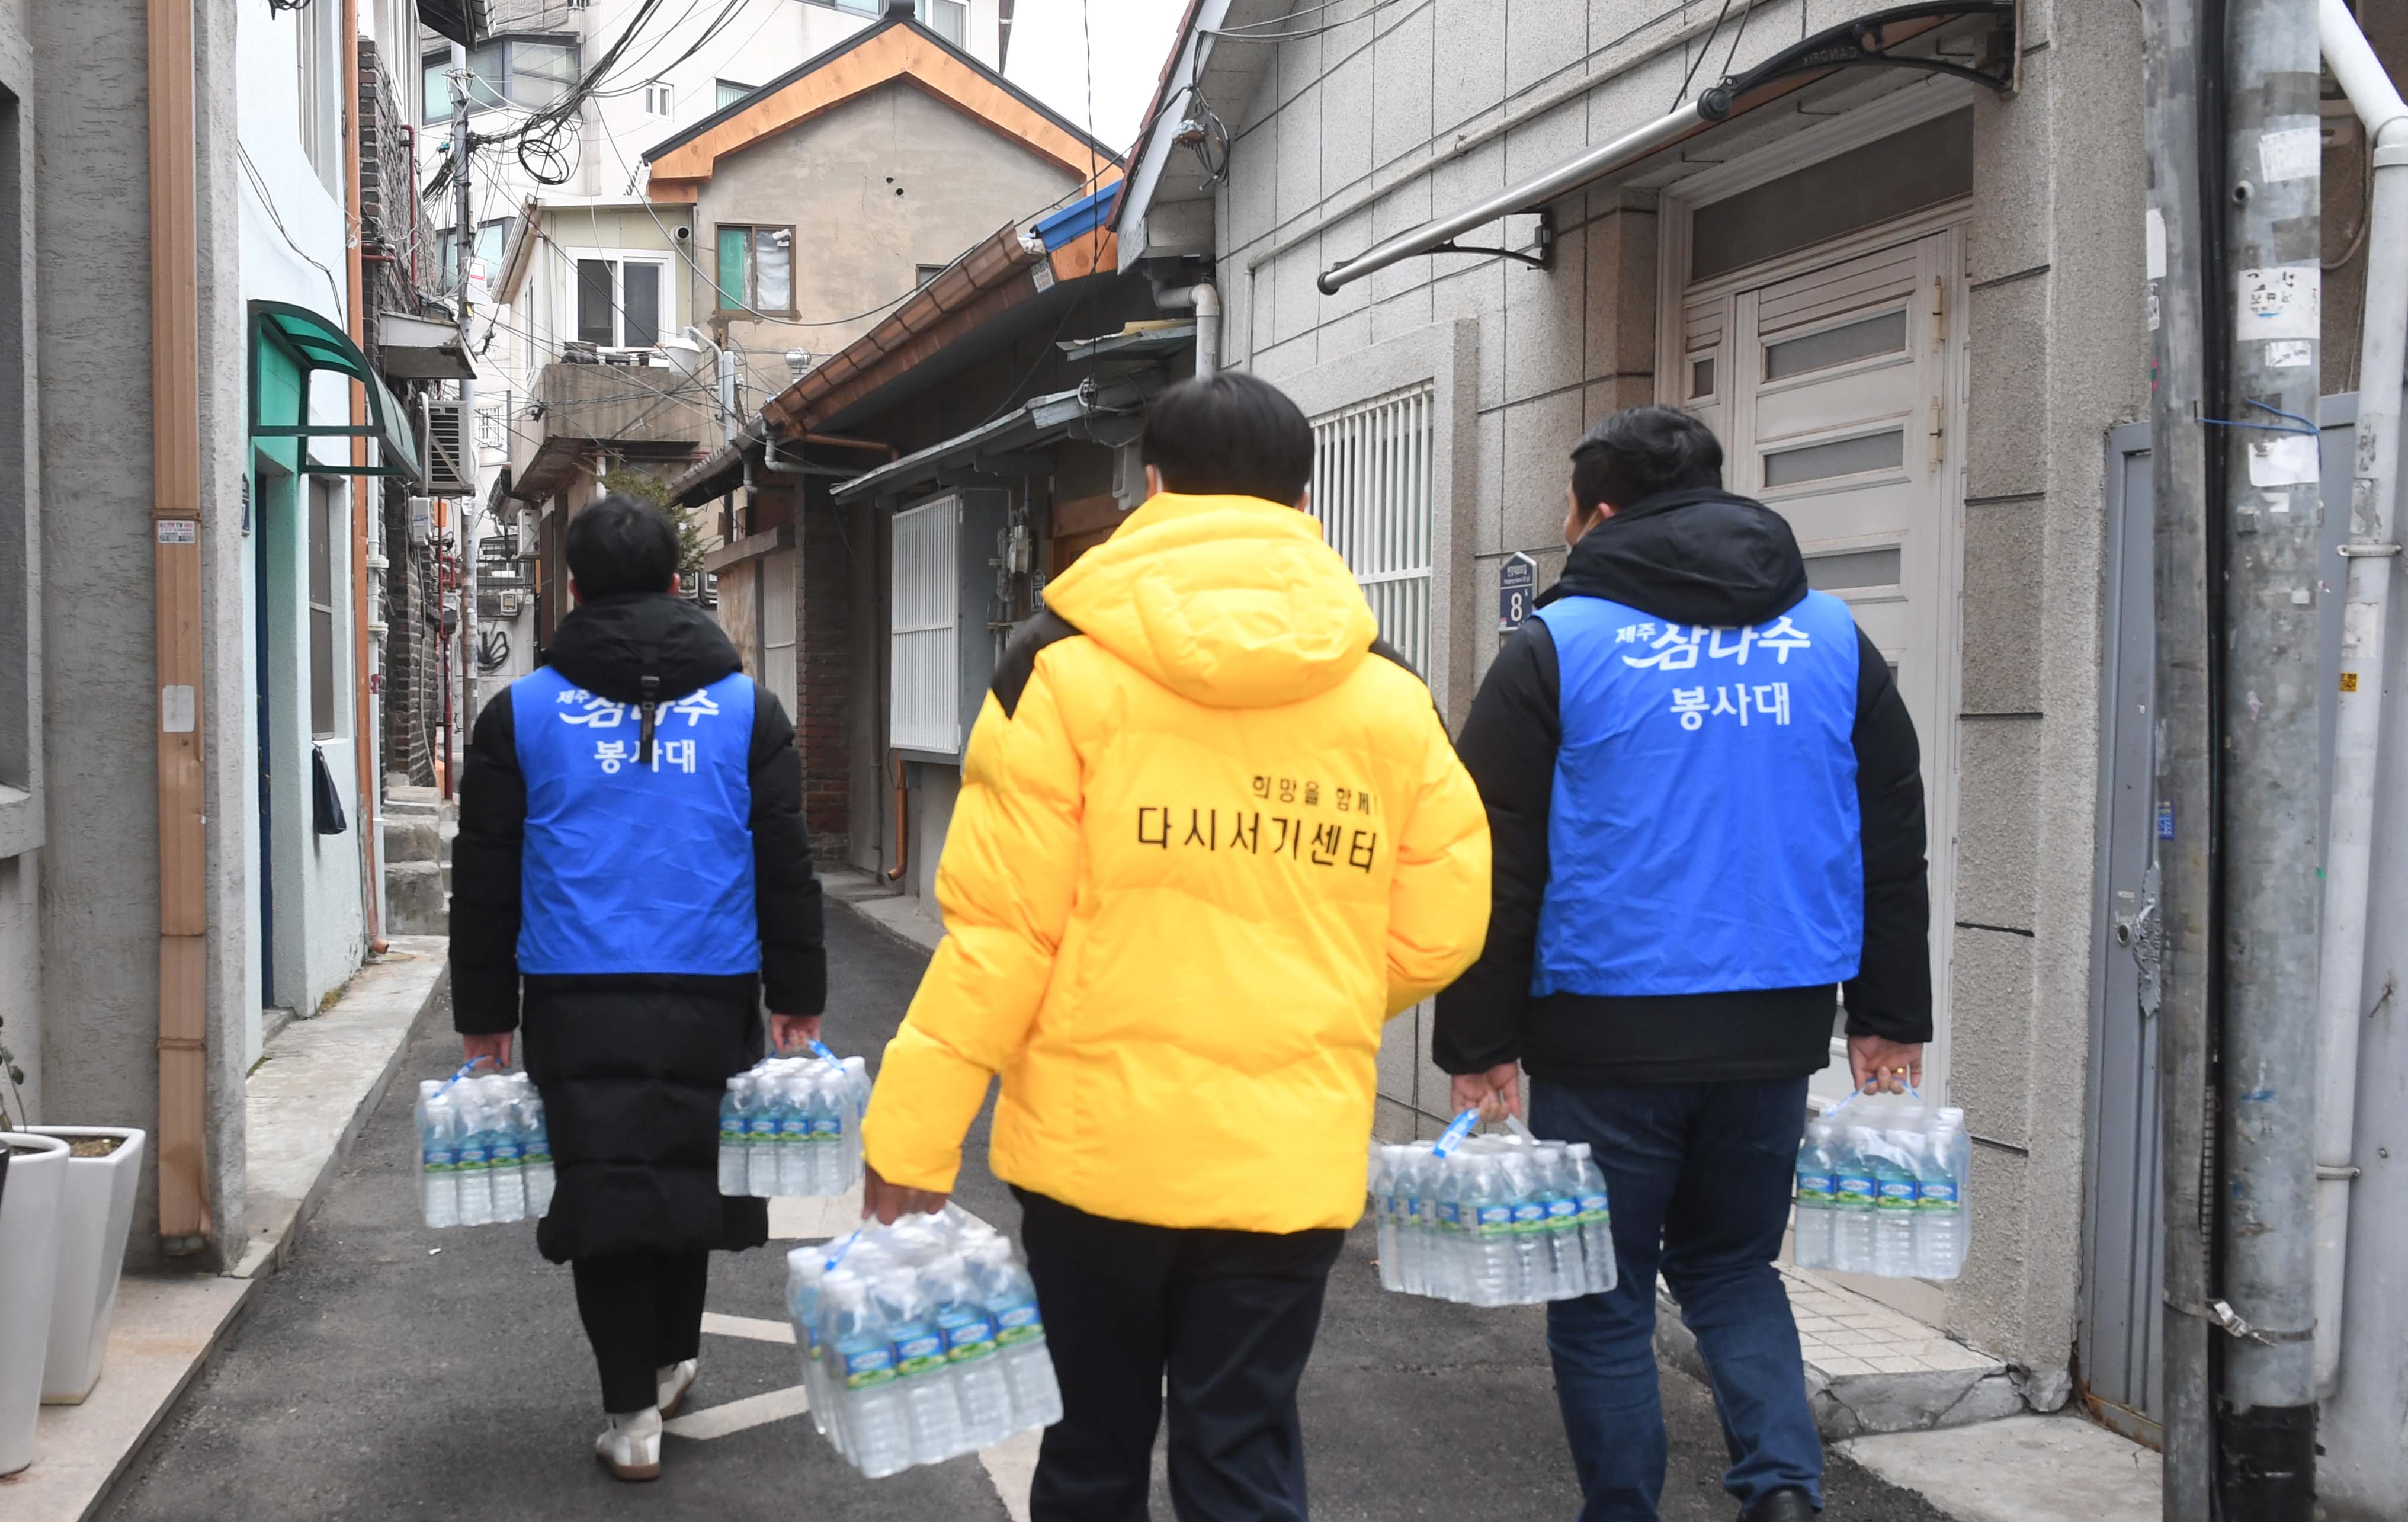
(1581, 1149)
(1952, 1115)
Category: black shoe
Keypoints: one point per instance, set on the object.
(1786, 1504)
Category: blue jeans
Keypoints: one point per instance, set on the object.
(1698, 1178)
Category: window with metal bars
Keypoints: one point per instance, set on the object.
(1372, 469)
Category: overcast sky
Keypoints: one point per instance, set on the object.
(1049, 59)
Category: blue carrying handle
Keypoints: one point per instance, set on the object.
(1455, 1133)
(820, 1049)
(466, 1069)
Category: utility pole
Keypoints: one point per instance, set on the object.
(465, 245)
(2183, 858)
(2267, 734)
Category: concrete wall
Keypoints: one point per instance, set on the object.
(22, 799)
(880, 185)
(98, 878)
(1374, 128)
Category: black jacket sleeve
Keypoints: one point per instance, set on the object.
(1891, 992)
(485, 861)
(785, 889)
(1509, 746)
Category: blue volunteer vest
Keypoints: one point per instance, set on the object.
(632, 868)
(1703, 837)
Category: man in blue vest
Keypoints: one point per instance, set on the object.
(1707, 809)
(632, 880)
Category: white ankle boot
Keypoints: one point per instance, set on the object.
(630, 1446)
(674, 1381)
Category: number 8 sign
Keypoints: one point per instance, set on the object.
(1518, 588)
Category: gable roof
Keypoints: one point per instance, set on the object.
(897, 49)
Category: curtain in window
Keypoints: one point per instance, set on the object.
(735, 267)
(594, 303)
(773, 264)
(639, 307)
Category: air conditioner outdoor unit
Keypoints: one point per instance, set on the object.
(451, 465)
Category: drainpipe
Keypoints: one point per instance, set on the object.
(364, 734)
(1204, 299)
(2358, 725)
(184, 1224)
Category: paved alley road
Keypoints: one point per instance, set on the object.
(392, 1372)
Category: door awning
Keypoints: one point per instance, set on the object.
(414, 349)
(315, 343)
(1871, 41)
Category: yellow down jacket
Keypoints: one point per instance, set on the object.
(1208, 841)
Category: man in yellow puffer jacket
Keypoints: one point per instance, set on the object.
(1212, 835)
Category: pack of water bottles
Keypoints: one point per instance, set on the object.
(1492, 1220)
(919, 1342)
(792, 1125)
(1881, 1189)
(485, 1154)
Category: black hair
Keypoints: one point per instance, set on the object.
(1230, 435)
(620, 544)
(1642, 451)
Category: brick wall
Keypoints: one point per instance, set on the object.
(823, 587)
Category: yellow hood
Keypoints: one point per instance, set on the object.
(1228, 601)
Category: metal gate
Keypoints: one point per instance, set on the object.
(2123, 1235)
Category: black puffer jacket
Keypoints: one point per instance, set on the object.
(1711, 558)
(632, 1067)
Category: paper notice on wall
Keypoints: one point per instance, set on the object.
(2283, 460)
(175, 710)
(2280, 301)
(2290, 353)
(2293, 153)
(2154, 239)
(179, 531)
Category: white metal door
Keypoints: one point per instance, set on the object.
(1834, 389)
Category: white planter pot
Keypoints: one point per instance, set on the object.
(29, 1263)
(95, 1212)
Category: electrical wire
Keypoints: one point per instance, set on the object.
(1683, 94)
(259, 185)
(1261, 31)
(1736, 33)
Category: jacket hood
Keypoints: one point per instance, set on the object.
(609, 645)
(1228, 601)
(1692, 557)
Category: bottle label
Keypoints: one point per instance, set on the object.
(538, 1151)
(1563, 1214)
(1493, 1220)
(1940, 1194)
(472, 1157)
(1017, 1324)
(827, 1128)
(868, 1366)
(1898, 1194)
(764, 1128)
(1529, 1215)
(1592, 1207)
(1853, 1189)
(731, 1133)
(1413, 1210)
(918, 1353)
(1815, 1189)
(967, 1337)
(792, 1129)
(505, 1154)
(441, 1159)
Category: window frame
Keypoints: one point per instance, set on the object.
(325, 498)
(618, 258)
(750, 300)
(730, 92)
(450, 273)
(322, 113)
(499, 84)
(927, 12)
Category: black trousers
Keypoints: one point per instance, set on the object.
(1231, 1316)
(642, 1313)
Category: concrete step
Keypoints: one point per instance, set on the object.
(412, 839)
(417, 898)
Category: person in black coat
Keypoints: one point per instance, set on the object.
(632, 879)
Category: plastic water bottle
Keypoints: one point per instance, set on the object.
(1595, 1219)
(968, 1331)
(534, 1147)
(862, 1357)
(1559, 1191)
(1527, 1231)
(1941, 1235)
(762, 1130)
(1898, 1194)
(438, 1142)
(1019, 1337)
(1814, 1220)
(1487, 1203)
(1387, 1202)
(1853, 1200)
(505, 1151)
(928, 1394)
(475, 1178)
(831, 1128)
(797, 1093)
(735, 1130)
(805, 1276)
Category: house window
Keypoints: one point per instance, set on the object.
(923, 274)
(321, 114)
(926, 652)
(528, 73)
(619, 300)
(864, 7)
(494, 423)
(730, 92)
(325, 500)
(757, 269)
(658, 100)
(946, 17)
(491, 238)
(1372, 466)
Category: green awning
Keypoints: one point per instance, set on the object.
(314, 342)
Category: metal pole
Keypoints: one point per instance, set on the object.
(2358, 727)
(2272, 196)
(464, 244)
(2182, 860)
